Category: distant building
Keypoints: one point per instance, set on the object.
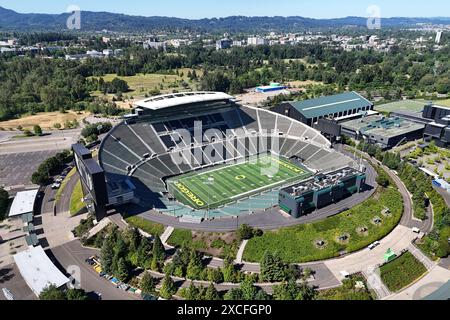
(108, 52)
(223, 44)
(154, 44)
(256, 41)
(238, 43)
(272, 87)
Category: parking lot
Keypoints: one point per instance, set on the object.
(11, 279)
(16, 169)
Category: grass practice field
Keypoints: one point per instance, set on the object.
(404, 105)
(233, 182)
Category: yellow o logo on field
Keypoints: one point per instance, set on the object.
(241, 177)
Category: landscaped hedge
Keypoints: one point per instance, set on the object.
(152, 228)
(401, 272)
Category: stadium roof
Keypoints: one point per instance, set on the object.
(323, 106)
(23, 203)
(38, 270)
(176, 99)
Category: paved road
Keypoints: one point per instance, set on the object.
(54, 140)
(73, 254)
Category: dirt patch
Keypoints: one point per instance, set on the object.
(215, 244)
(46, 120)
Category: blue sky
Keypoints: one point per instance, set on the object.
(214, 8)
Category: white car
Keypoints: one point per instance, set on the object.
(56, 185)
(416, 230)
(374, 245)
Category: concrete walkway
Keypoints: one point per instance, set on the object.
(166, 235)
(240, 252)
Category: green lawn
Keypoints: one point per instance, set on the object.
(234, 182)
(401, 272)
(76, 203)
(408, 105)
(152, 228)
(299, 244)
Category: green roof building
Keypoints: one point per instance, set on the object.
(337, 107)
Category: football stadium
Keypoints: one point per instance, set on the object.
(202, 155)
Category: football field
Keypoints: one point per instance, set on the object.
(225, 184)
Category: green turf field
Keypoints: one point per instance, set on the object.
(404, 105)
(234, 182)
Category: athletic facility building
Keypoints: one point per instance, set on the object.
(200, 155)
(337, 108)
(382, 131)
(321, 191)
(438, 129)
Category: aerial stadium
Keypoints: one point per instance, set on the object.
(201, 155)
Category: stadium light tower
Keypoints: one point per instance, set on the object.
(210, 182)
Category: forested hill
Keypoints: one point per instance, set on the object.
(94, 21)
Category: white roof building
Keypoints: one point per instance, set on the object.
(176, 99)
(38, 271)
(23, 203)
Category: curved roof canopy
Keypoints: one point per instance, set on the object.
(176, 99)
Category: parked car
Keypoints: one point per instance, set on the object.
(416, 230)
(124, 287)
(56, 185)
(374, 245)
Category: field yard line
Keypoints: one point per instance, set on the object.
(230, 166)
(204, 193)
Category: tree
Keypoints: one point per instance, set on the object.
(215, 275)
(4, 201)
(76, 294)
(107, 254)
(292, 291)
(144, 254)
(211, 293)
(37, 130)
(123, 270)
(191, 293)
(272, 267)
(195, 267)
(168, 288)
(248, 290)
(52, 293)
(147, 284)
(245, 232)
(230, 274)
(234, 294)
(159, 253)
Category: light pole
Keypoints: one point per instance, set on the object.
(210, 182)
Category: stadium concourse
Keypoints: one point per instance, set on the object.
(201, 156)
